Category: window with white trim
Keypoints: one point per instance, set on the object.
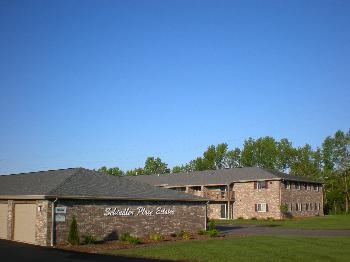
(260, 184)
(261, 207)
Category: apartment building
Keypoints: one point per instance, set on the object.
(246, 192)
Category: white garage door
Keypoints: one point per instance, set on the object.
(3, 221)
(24, 227)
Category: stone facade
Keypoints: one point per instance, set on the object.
(215, 210)
(138, 218)
(247, 197)
(302, 199)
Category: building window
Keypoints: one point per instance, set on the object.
(307, 207)
(260, 184)
(261, 207)
(308, 186)
(287, 185)
(298, 207)
(297, 185)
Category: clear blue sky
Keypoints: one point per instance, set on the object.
(93, 83)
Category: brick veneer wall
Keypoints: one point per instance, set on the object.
(190, 216)
(303, 196)
(246, 197)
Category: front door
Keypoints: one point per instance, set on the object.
(223, 211)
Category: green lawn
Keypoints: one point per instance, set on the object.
(257, 248)
(326, 222)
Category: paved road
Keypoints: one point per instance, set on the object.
(14, 251)
(251, 230)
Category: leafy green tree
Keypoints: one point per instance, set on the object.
(233, 158)
(135, 172)
(307, 162)
(286, 155)
(248, 158)
(155, 166)
(114, 171)
(221, 156)
(336, 159)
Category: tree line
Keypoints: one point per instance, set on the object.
(329, 164)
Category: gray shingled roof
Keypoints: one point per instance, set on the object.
(83, 183)
(216, 177)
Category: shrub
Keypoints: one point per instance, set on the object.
(213, 233)
(211, 225)
(185, 235)
(124, 236)
(73, 235)
(156, 237)
(240, 218)
(254, 218)
(201, 232)
(134, 240)
(128, 238)
(179, 233)
(89, 239)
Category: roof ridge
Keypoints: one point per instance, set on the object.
(65, 180)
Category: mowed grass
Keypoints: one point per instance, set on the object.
(325, 222)
(257, 248)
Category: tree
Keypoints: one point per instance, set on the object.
(114, 171)
(336, 159)
(155, 166)
(73, 235)
(285, 155)
(135, 172)
(233, 158)
(307, 163)
(221, 156)
(248, 153)
(260, 153)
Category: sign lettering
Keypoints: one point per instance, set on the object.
(139, 211)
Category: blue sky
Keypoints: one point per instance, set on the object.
(93, 83)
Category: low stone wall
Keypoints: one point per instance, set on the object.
(106, 220)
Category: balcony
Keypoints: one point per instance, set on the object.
(219, 195)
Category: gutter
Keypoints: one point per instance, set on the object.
(53, 219)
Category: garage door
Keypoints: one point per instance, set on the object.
(3, 221)
(24, 227)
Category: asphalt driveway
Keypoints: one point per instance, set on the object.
(14, 251)
(253, 230)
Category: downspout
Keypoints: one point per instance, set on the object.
(280, 200)
(53, 219)
(206, 215)
(228, 202)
